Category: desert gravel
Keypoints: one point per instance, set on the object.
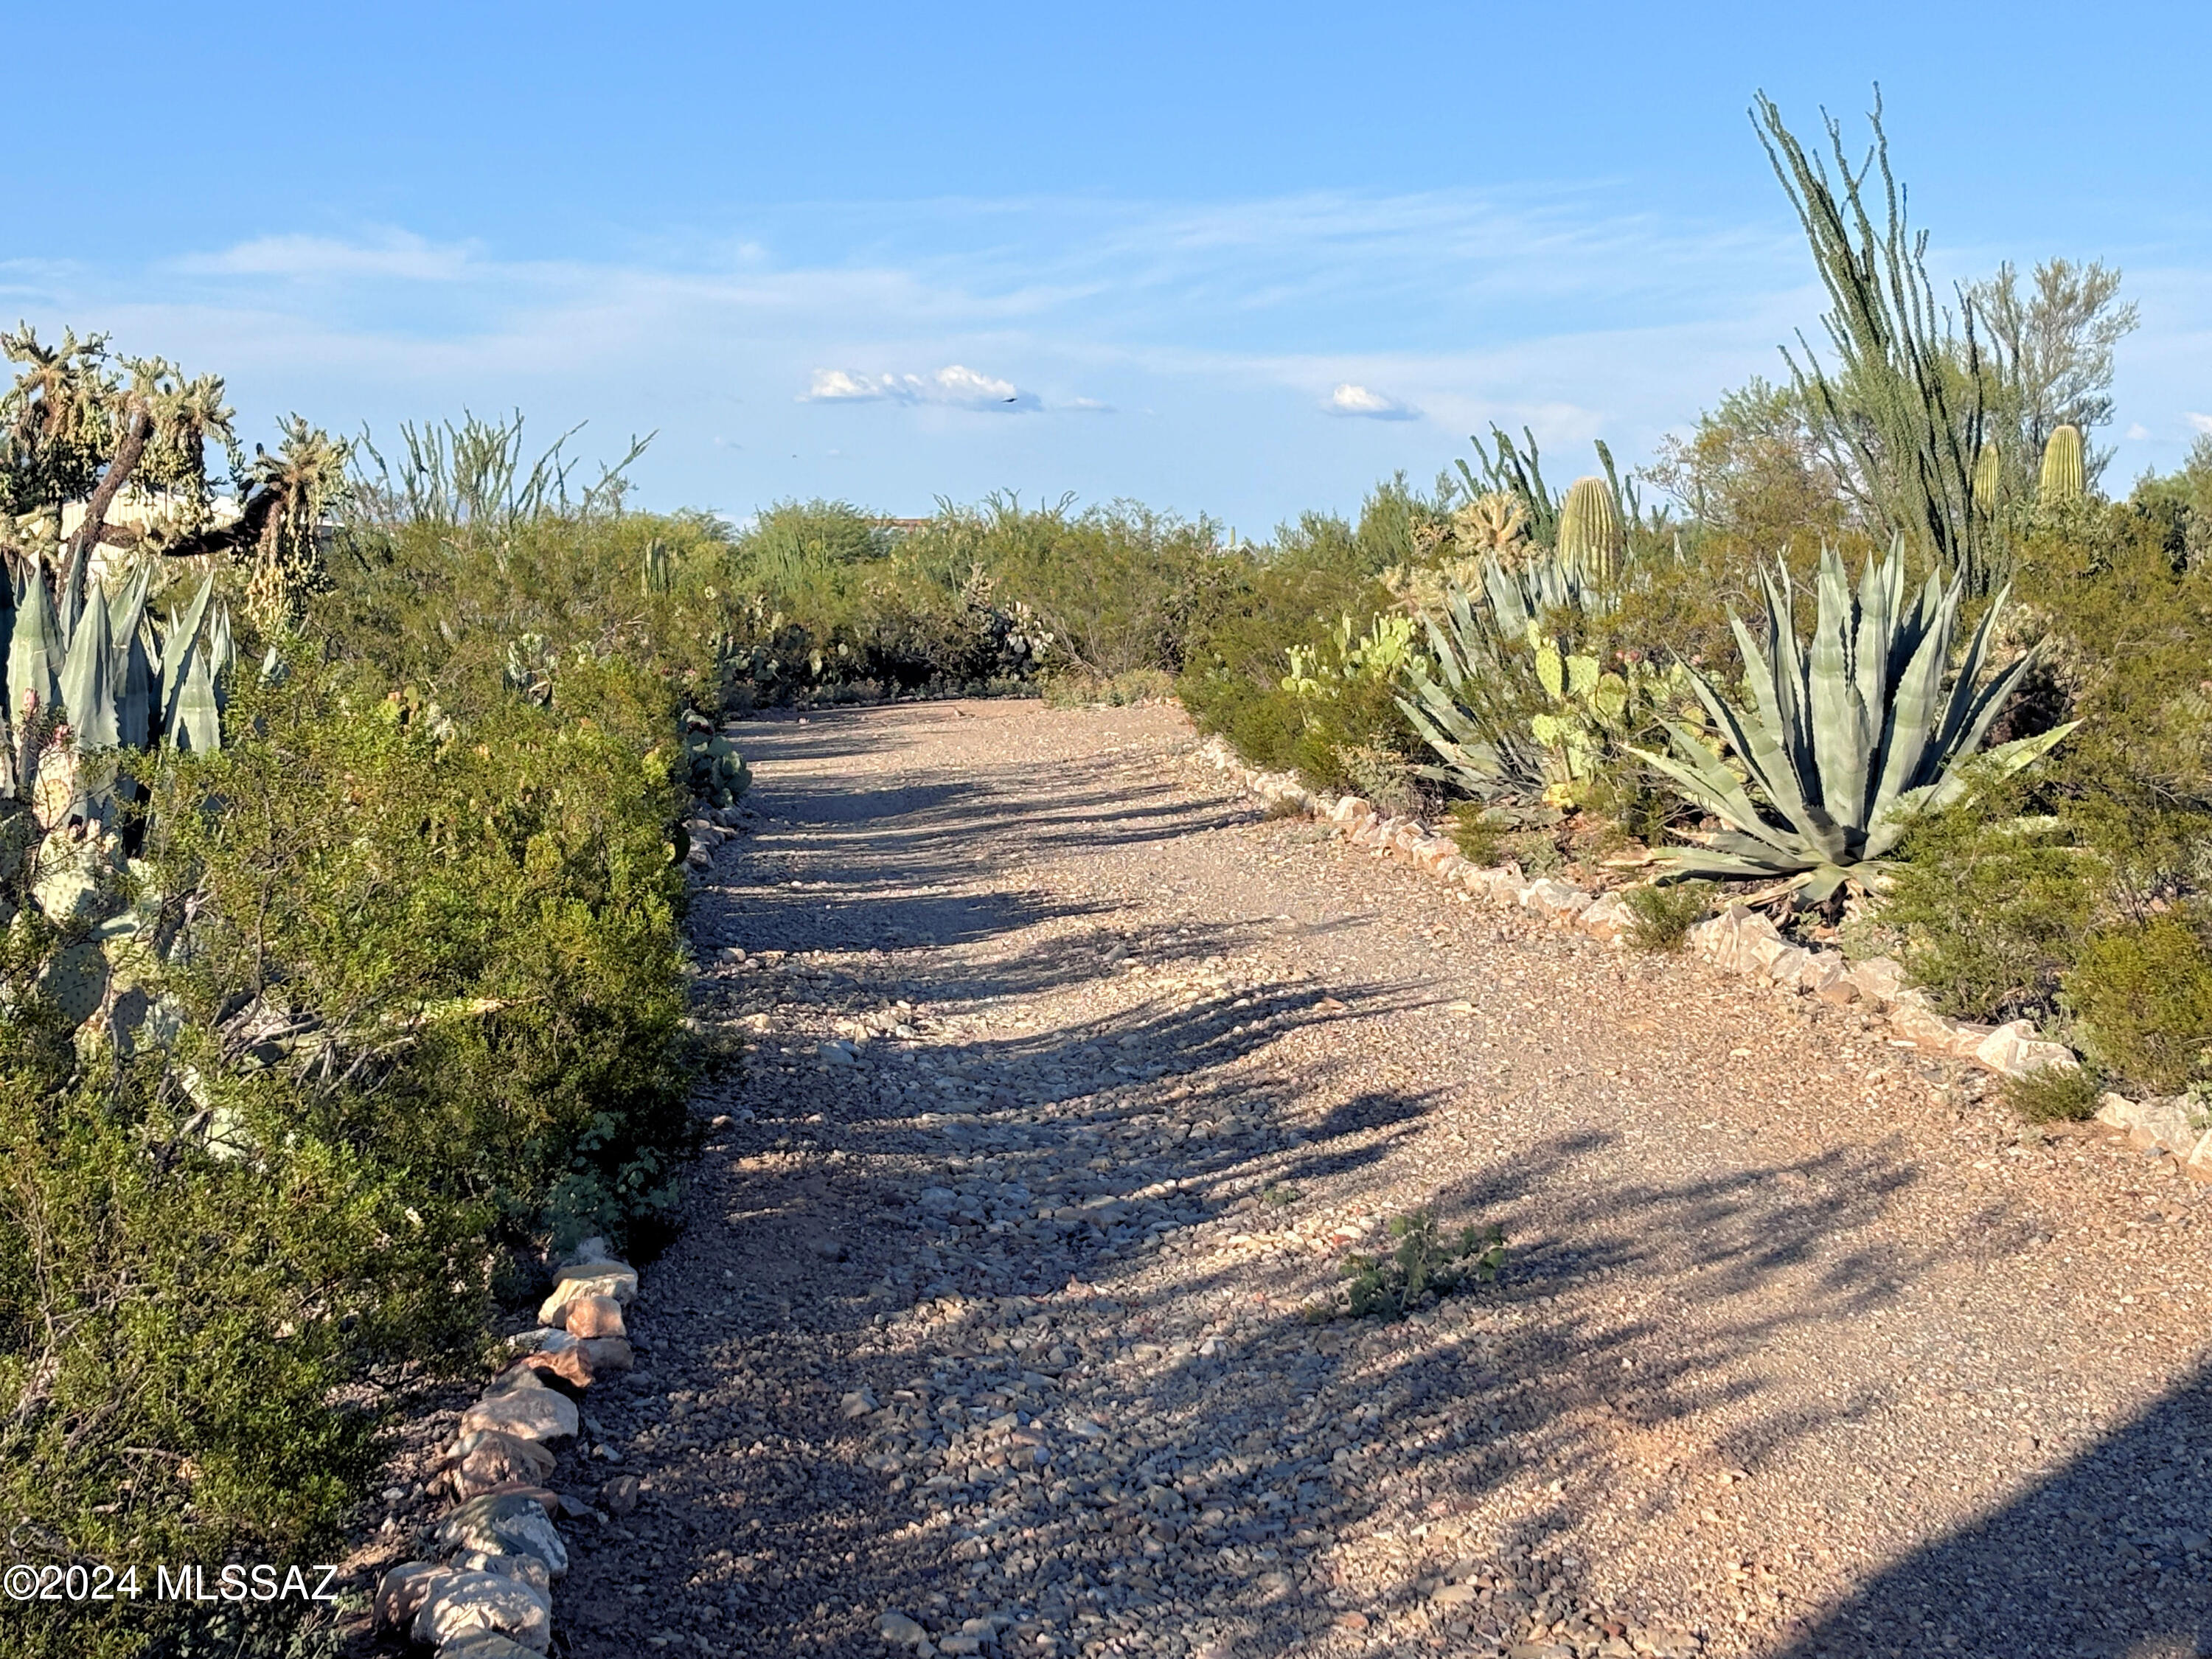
(1072, 1081)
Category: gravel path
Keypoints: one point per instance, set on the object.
(1072, 1082)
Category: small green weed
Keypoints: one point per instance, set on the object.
(1664, 916)
(1478, 833)
(1426, 1262)
(1281, 1198)
(2056, 1094)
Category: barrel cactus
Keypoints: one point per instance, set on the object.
(2064, 479)
(1591, 535)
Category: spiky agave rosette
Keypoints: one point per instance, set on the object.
(1853, 736)
(93, 680)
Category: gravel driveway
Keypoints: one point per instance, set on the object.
(1073, 1081)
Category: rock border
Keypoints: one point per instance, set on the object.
(1743, 942)
(487, 1594)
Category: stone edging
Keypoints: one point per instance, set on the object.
(1740, 941)
(489, 1595)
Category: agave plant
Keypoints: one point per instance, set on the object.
(90, 675)
(120, 680)
(1853, 735)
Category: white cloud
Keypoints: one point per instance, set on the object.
(2136, 432)
(1226, 325)
(1350, 399)
(955, 384)
(831, 385)
(958, 385)
(2201, 422)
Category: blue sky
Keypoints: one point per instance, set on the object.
(1233, 260)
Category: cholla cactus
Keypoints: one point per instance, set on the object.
(293, 493)
(1493, 523)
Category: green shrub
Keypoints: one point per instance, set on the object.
(429, 1015)
(1119, 587)
(1993, 906)
(2143, 994)
(1479, 833)
(176, 1328)
(486, 941)
(2055, 1094)
(1292, 595)
(1661, 916)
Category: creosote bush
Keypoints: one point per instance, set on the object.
(2143, 994)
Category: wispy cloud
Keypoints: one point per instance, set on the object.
(2197, 422)
(1223, 326)
(391, 255)
(1350, 399)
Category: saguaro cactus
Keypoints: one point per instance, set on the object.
(1590, 531)
(2063, 478)
(1989, 470)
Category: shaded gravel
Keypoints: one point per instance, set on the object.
(1073, 1081)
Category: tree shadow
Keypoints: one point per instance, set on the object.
(2104, 1557)
(990, 1353)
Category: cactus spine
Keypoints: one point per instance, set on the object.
(2064, 479)
(1590, 531)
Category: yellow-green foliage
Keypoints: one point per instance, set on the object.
(427, 976)
(484, 929)
(1994, 904)
(1661, 917)
(173, 1329)
(2143, 994)
(1292, 595)
(1998, 898)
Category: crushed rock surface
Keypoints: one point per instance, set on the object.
(1072, 1082)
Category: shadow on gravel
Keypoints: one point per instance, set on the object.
(778, 1523)
(2064, 1570)
(1540, 1396)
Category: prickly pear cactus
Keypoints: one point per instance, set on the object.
(71, 877)
(719, 774)
(74, 978)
